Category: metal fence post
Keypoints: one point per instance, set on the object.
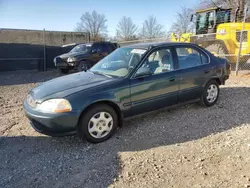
(241, 38)
(44, 50)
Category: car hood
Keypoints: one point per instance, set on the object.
(66, 85)
(72, 54)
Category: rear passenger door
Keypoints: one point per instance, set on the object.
(195, 71)
(100, 51)
(105, 49)
(111, 47)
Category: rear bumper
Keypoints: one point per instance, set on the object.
(61, 124)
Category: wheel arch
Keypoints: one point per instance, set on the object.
(218, 80)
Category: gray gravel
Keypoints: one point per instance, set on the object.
(189, 146)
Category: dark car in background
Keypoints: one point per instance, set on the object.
(130, 81)
(83, 56)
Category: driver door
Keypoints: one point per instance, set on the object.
(158, 90)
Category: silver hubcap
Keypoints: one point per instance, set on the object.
(100, 124)
(84, 67)
(212, 93)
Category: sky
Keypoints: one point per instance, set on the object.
(62, 15)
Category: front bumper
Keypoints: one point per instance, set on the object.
(62, 63)
(60, 124)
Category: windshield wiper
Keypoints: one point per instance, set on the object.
(103, 74)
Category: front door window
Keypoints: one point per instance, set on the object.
(160, 61)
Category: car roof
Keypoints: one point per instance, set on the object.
(157, 44)
(91, 43)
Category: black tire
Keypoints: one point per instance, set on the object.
(218, 49)
(83, 66)
(64, 71)
(83, 125)
(204, 97)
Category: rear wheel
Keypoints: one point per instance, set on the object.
(64, 71)
(83, 66)
(98, 123)
(210, 94)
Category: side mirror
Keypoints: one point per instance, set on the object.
(143, 71)
(94, 51)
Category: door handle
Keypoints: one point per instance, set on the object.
(172, 79)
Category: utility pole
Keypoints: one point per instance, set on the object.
(241, 36)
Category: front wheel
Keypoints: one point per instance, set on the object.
(210, 94)
(83, 66)
(98, 123)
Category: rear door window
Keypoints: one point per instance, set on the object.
(190, 57)
(104, 47)
(97, 46)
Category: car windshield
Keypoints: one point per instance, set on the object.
(119, 63)
(81, 48)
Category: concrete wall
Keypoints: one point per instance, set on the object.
(52, 38)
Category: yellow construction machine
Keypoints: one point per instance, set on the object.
(219, 33)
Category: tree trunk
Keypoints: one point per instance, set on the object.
(241, 11)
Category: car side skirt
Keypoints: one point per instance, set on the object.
(163, 109)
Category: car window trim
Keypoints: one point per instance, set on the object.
(149, 53)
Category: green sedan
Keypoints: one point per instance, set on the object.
(130, 81)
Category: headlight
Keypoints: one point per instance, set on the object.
(71, 59)
(54, 106)
(30, 101)
(54, 61)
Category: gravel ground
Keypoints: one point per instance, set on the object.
(189, 146)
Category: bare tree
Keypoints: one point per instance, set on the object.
(151, 29)
(182, 23)
(222, 3)
(94, 23)
(126, 29)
